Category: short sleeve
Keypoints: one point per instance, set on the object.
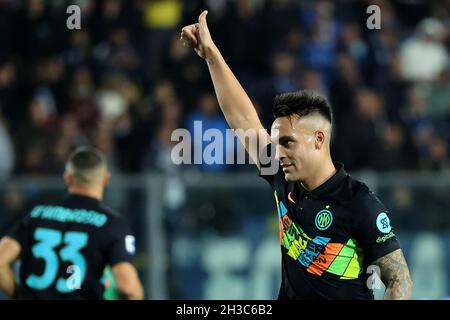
(269, 168)
(121, 245)
(373, 228)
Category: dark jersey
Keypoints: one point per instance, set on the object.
(329, 237)
(66, 246)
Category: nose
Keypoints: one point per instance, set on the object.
(279, 153)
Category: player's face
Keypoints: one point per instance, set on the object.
(294, 143)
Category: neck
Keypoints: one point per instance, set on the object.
(322, 174)
(96, 193)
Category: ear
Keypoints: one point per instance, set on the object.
(68, 179)
(106, 178)
(319, 139)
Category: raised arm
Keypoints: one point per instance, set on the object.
(233, 100)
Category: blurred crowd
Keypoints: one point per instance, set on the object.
(124, 81)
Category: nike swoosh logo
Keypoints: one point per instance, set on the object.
(290, 198)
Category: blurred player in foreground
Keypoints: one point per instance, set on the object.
(333, 231)
(64, 247)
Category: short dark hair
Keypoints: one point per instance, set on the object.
(86, 158)
(86, 165)
(301, 103)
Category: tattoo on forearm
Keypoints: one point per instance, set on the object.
(395, 275)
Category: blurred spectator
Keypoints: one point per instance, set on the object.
(117, 54)
(312, 81)
(395, 90)
(283, 66)
(437, 96)
(34, 137)
(77, 51)
(40, 122)
(414, 115)
(278, 18)
(346, 80)
(70, 131)
(320, 48)
(126, 74)
(354, 44)
(161, 145)
(103, 140)
(240, 36)
(424, 56)
(379, 71)
(82, 84)
(395, 150)
(7, 154)
(184, 70)
(208, 119)
(359, 134)
(81, 101)
(282, 80)
(58, 155)
(8, 91)
(131, 129)
(163, 91)
(112, 104)
(436, 158)
(161, 18)
(51, 82)
(35, 30)
(110, 15)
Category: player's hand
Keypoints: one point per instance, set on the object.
(197, 36)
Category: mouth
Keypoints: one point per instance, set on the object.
(286, 167)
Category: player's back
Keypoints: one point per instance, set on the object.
(66, 246)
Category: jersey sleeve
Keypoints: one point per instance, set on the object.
(269, 168)
(121, 243)
(373, 228)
